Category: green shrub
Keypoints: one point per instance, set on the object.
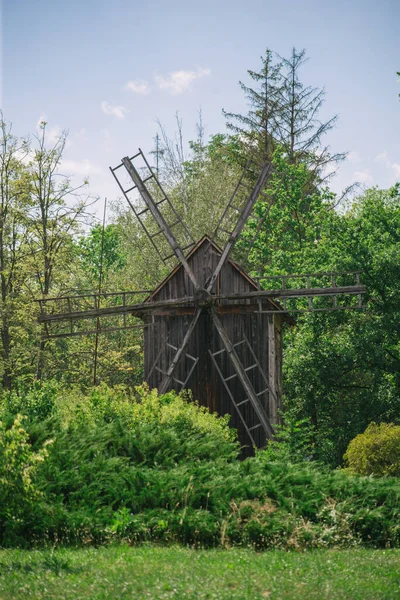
(37, 401)
(294, 440)
(376, 451)
(142, 467)
(18, 467)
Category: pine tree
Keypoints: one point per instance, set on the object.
(284, 113)
(301, 130)
(259, 128)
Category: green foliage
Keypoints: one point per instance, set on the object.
(127, 463)
(294, 440)
(35, 401)
(18, 491)
(261, 126)
(90, 251)
(143, 467)
(283, 113)
(294, 224)
(40, 212)
(342, 369)
(376, 451)
(113, 450)
(210, 175)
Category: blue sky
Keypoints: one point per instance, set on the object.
(107, 71)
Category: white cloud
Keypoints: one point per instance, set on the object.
(396, 168)
(116, 111)
(80, 135)
(24, 156)
(363, 176)
(53, 134)
(106, 135)
(353, 156)
(83, 168)
(178, 82)
(138, 87)
(382, 157)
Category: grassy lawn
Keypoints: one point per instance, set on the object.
(162, 573)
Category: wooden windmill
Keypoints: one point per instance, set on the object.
(209, 326)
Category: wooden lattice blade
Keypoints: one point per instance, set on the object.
(243, 377)
(241, 221)
(179, 353)
(165, 226)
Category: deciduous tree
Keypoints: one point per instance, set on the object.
(14, 237)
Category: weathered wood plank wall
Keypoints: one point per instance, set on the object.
(240, 320)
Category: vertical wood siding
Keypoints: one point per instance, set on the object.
(205, 383)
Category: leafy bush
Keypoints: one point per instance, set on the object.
(37, 401)
(376, 451)
(294, 440)
(142, 467)
(18, 467)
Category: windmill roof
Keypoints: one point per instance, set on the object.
(218, 250)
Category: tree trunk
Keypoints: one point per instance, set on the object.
(5, 352)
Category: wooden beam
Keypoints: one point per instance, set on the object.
(146, 306)
(272, 373)
(42, 301)
(53, 336)
(296, 293)
(113, 310)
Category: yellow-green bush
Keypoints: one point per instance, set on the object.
(18, 468)
(376, 451)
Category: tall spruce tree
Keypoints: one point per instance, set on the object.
(260, 128)
(301, 130)
(284, 113)
(283, 125)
